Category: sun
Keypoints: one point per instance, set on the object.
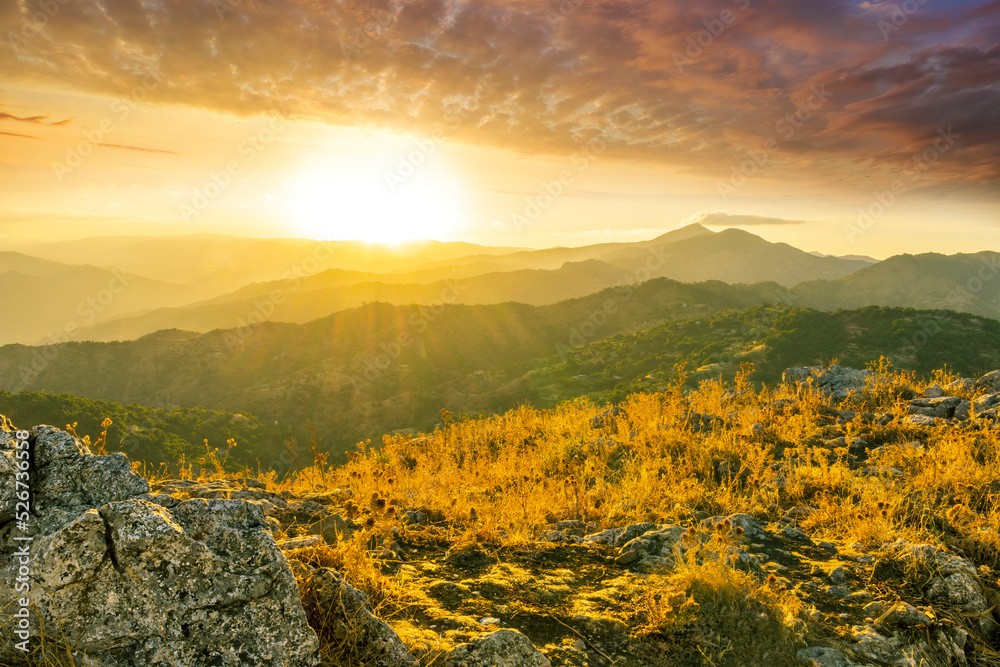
(386, 200)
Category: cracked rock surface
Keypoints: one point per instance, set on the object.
(131, 582)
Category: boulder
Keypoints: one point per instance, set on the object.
(943, 406)
(987, 402)
(918, 420)
(961, 386)
(130, 582)
(503, 648)
(342, 612)
(989, 382)
(934, 391)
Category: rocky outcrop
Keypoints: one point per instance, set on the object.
(123, 580)
(837, 381)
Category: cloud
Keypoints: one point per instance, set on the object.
(15, 134)
(693, 86)
(725, 219)
(139, 148)
(41, 120)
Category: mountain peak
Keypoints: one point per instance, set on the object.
(683, 233)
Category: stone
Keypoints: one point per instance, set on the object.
(130, 582)
(943, 406)
(837, 381)
(918, 420)
(616, 537)
(989, 382)
(337, 609)
(838, 576)
(901, 615)
(300, 542)
(503, 648)
(605, 418)
(817, 656)
(608, 631)
(963, 411)
(961, 386)
(984, 403)
(934, 391)
(332, 528)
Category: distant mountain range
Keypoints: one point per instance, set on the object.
(372, 369)
(291, 285)
(48, 301)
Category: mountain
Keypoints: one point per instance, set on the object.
(773, 338)
(690, 254)
(369, 370)
(306, 300)
(219, 264)
(694, 254)
(362, 371)
(964, 282)
(53, 301)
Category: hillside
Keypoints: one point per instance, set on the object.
(732, 256)
(287, 284)
(964, 282)
(304, 300)
(225, 263)
(359, 372)
(772, 338)
(722, 526)
(154, 436)
(63, 299)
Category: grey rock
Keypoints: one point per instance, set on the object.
(817, 656)
(131, 582)
(918, 420)
(900, 615)
(989, 382)
(943, 406)
(616, 537)
(984, 403)
(961, 386)
(838, 576)
(837, 381)
(331, 528)
(605, 418)
(573, 528)
(934, 391)
(955, 580)
(793, 533)
(341, 610)
(600, 630)
(415, 518)
(963, 411)
(503, 648)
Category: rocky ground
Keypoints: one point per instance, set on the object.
(234, 571)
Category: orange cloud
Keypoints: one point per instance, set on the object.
(694, 86)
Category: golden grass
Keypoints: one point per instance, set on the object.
(505, 479)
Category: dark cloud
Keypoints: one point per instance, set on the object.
(15, 134)
(693, 85)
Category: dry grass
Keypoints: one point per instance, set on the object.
(504, 480)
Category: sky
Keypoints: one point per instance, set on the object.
(844, 127)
